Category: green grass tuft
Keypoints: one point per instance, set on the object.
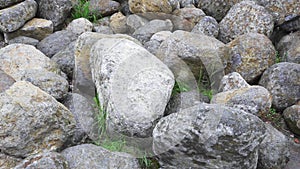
(82, 10)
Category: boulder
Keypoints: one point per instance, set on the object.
(274, 150)
(118, 23)
(134, 22)
(36, 28)
(92, 156)
(292, 117)
(248, 58)
(254, 99)
(153, 44)
(8, 161)
(24, 40)
(56, 42)
(143, 6)
(283, 82)
(191, 14)
(51, 160)
(144, 33)
(103, 7)
(289, 48)
(79, 26)
(32, 121)
(7, 3)
(232, 81)
(245, 17)
(133, 85)
(207, 25)
(55, 10)
(208, 136)
(14, 17)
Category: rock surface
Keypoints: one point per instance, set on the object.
(134, 94)
(92, 156)
(14, 17)
(45, 160)
(32, 121)
(24, 40)
(142, 6)
(289, 48)
(232, 81)
(208, 136)
(8, 161)
(283, 82)
(207, 25)
(245, 17)
(103, 7)
(5, 81)
(292, 116)
(249, 58)
(7, 3)
(79, 26)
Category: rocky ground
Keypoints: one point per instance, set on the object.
(149, 84)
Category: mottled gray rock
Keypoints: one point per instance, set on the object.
(8, 161)
(83, 82)
(289, 48)
(36, 28)
(179, 23)
(46, 160)
(249, 58)
(291, 25)
(14, 17)
(16, 58)
(92, 156)
(274, 150)
(103, 7)
(245, 17)
(84, 114)
(191, 14)
(232, 81)
(144, 33)
(207, 25)
(55, 10)
(208, 136)
(56, 42)
(143, 6)
(292, 117)
(24, 40)
(134, 22)
(187, 3)
(283, 82)
(50, 82)
(40, 122)
(79, 26)
(195, 53)
(118, 23)
(254, 99)
(5, 81)
(65, 59)
(153, 45)
(132, 84)
(7, 3)
(103, 29)
(218, 9)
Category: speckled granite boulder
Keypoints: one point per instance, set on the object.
(283, 82)
(14, 17)
(254, 99)
(46, 160)
(245, 17)
(7, 3)
(36, 28)
(142, 6)
(191, 14)
(8, 161)
(249, 58)
(208, 136)
(153, 44)
(92, 156)
(292, 117)
(232, 81)
(40, 122)
(79, 26)
(55, 10)
(103, 7)
(207, 25)
(289, 48)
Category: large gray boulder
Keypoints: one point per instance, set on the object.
(207, 25)
(133, 85)
(292, 117)
(289, 48)
(245, 17)
(40, 123)
(14, 17)
(46, 160)
(232, 81)
(55, 10)
(25, 62)
(5, 81)
(7, 161)
(103, 7)
(283, 82)
(274, 150)
(208, 136)
(92, 156)
(7, 3)
(79, 26)
(249, 58)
